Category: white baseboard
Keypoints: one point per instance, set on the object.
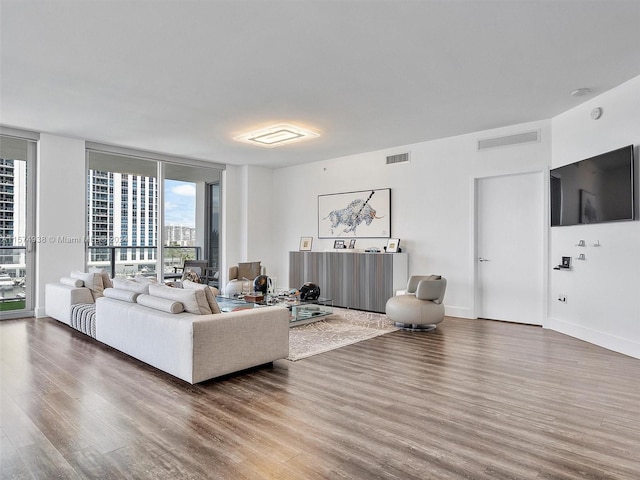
(460, 312)
(602, 339)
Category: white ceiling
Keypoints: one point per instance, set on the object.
(184, 77)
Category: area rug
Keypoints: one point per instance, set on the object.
(344, 327)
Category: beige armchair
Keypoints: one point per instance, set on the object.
(241, 277)
(421, 307)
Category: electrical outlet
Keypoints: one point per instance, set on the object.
(562, 298)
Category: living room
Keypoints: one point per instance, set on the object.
(441, 173)
(434, 212)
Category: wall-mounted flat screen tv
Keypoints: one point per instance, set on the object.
(594, 190)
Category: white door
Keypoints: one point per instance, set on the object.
(510, 248)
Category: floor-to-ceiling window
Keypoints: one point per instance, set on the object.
(122, 214)
(138, 202)
(188, 216)
(17, 240)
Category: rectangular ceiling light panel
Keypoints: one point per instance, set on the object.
(276, 136)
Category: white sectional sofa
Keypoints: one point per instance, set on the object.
(193, 347)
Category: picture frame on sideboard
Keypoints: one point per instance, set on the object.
(392, 245)
(305, 244)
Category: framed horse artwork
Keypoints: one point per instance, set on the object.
(362, 214)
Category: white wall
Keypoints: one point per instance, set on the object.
(230, 224)
(61, 206)
(603, 292)
(248, 217)
(432, 207)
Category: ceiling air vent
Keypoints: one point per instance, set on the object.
(399, 158)
(509, 140)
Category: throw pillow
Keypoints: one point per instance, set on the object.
(208, 291)
(72, 282)
(429, 290)
(130, 285)
(194, 301)
(106, 280)
(163, 304)
(191, 275)
(93, 281)
(248, 270)
(124, 295)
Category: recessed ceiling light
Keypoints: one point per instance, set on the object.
(276, 135)
(580, 92)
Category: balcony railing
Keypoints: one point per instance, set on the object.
(12, 277)
(125, 261)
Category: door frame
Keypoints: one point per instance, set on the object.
(544, 184)
(30, 242)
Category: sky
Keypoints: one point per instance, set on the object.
(180, 203)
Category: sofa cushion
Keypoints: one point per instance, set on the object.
(158, 303)
(130, 285)
(72, 282)
(106, 280)
(248, 270)
(194, 301)
(93, 281)
(118, 294)
(210, 293)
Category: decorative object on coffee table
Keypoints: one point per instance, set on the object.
(261, 284)
(254, 297)
(309, 291)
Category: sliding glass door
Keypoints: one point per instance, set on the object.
(148, 213)
(17, 240)
(188, 219)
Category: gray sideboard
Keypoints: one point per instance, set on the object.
(363, 281)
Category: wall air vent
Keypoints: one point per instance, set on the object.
(509, 140)
(399, 158)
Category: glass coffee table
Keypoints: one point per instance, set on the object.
(302, 311)
(233, 303)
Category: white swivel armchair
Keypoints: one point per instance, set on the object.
(421, 307)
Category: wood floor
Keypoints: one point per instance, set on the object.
(474, 399)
